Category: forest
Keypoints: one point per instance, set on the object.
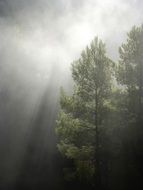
(100, 123)
(71, 95)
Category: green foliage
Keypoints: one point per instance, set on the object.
(130, 71)
(100, 124)
(85, 170)
(130, 76)
(131, 56)
(83, 112)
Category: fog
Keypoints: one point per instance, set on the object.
(38, 41)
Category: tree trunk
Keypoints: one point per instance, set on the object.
(97, 153)
(140, 92)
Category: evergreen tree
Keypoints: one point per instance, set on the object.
(83, 114)
(131, 70)
(130, 76)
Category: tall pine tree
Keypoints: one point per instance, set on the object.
(83, 113)
(130, 76)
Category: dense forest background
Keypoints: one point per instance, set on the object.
(100, 125)
(71, 94)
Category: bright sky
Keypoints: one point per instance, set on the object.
(39, 36)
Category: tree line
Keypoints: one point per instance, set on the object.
(100, 125)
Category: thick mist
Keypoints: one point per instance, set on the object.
(38, 41)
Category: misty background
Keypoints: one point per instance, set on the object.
(38, 41)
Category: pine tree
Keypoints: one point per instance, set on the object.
(83, 113)
(130, 76)
(131, 70)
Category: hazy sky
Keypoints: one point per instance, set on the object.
(36, 35)
(38, 41)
